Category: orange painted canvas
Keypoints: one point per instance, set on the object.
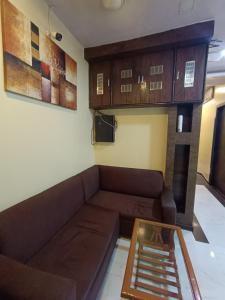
(34, 65)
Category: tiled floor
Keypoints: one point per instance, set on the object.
(208, 259)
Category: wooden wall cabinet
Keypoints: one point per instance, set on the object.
(190, 73)
(100, 84)
(134, 81)
(163, 68)
(164, 77)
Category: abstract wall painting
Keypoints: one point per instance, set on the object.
(34, 65)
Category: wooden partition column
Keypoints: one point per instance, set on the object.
(182, 159)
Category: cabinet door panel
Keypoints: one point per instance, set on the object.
(157, 72)
(124, 85)
(100, 91)
(190, 73)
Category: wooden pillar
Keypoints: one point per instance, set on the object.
(182, 159)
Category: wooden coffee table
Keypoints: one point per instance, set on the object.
(158, 265)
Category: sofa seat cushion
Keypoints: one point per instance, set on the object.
(79, 249)
(128, 206)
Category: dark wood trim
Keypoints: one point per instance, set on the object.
(212, 161)
(125, 106)
(198, 232)
(183, 36)
(213, 190)
(214, 144)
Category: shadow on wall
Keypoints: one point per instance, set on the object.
(140, 142)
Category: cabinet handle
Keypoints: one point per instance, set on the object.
(139, 79)
(108, 82)
(178, 75)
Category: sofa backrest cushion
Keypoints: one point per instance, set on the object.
(90, 180)
(26, 227)
(139, 182)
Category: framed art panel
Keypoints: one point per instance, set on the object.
(35, 66)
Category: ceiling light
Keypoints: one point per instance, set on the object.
(212, 254)
(216, 55)
(112, 4)
(220, 90)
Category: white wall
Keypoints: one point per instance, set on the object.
(42, 144)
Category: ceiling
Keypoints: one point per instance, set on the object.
(92, 25)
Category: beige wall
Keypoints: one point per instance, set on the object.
(207, 131)
(141, 139)
(41, 144)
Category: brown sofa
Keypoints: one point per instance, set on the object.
(57, 244)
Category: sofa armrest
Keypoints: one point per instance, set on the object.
(21, 282)
(168, 207)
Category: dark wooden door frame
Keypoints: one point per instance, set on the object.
(215, 142)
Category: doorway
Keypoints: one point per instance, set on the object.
(217, 175)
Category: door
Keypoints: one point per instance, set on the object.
(100, 84)
(124, 82)
(156, 77)
(217, 176)
(190, 73)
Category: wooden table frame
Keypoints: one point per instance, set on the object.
(134, 294)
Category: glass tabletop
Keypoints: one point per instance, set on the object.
(158, 265)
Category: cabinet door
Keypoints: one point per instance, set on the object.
(100, 90)
(190, 73)
(124, 82)
(156, 71)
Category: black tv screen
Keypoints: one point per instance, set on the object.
(105, 129)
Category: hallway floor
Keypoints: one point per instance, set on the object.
(208, 259)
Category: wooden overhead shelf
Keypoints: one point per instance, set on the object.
(184, 36)
(160, 69)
